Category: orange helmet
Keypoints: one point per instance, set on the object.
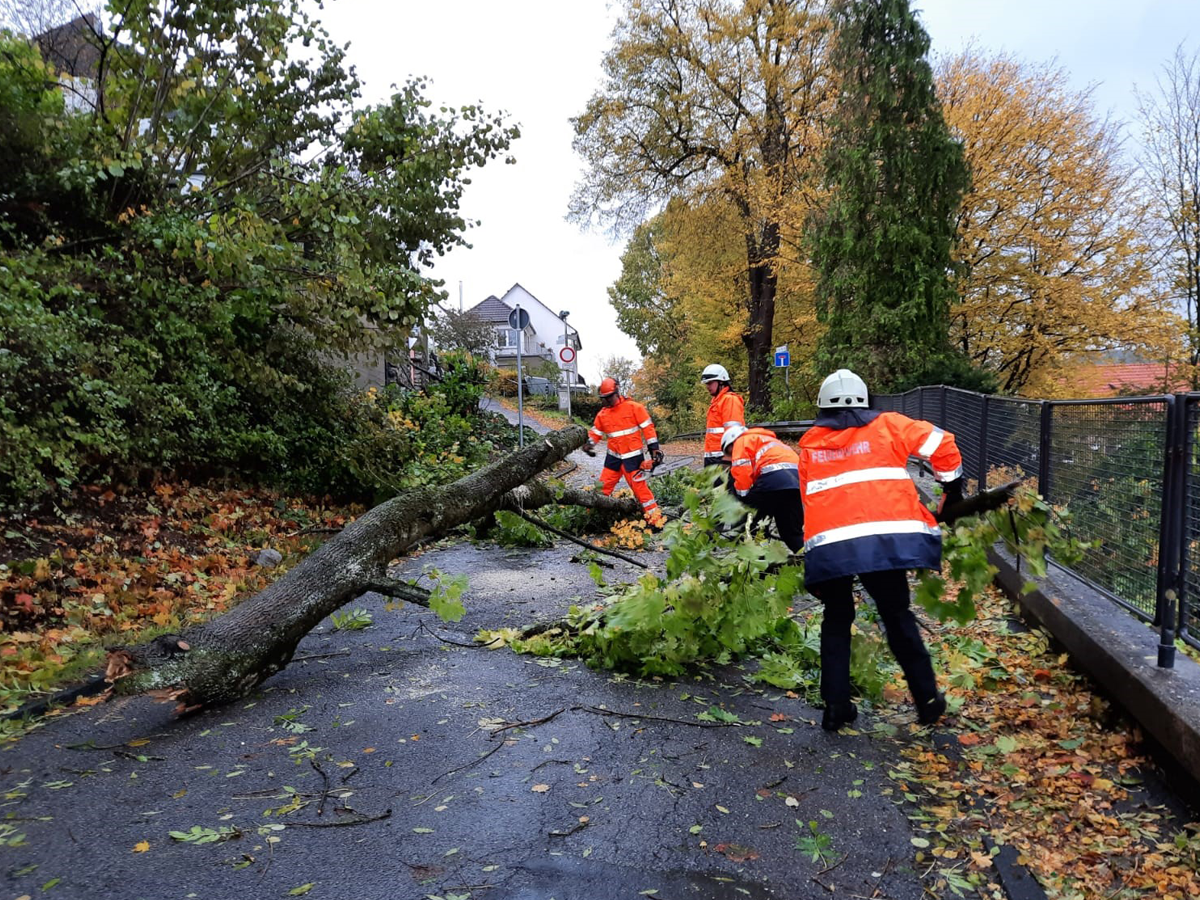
(608, 386)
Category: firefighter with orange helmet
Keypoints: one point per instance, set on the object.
(863, 517)
(724, 411)
(623, 423)
(764, 476)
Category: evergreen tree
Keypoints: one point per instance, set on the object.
(895, 178)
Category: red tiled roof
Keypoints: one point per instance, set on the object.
(1113, 380)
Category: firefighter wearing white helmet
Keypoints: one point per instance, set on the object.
(725, 410)
(842, 389)
(763, 475)
(863, 517)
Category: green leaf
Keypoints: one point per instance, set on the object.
(753, 741)
(302, 889)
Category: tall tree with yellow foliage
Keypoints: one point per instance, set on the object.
(1052, 256)
(1170, 117)
(712, 101)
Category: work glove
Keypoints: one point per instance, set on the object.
(657, 456)
(589, 448)
(952, 494)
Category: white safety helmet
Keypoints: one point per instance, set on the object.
(714, 373)
(732, 433)
(841, 389)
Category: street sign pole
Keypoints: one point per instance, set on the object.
(520, 392)
(567, 368)
(783, 360)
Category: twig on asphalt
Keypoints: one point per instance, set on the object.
(845, 856)
(313, 656)
(325, 791)
(471, 646)
(343, 823)
(582, 543)
(624, 715)
(578, 826)
(468, 765)
(541, 721)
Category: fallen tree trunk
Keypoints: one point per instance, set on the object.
(223, 659)
(537, 494)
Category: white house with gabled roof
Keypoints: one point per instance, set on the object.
(545, 337)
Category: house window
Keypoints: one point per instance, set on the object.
(506, 338)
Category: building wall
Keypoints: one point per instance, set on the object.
(549, 327)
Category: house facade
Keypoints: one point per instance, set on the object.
(544, 338)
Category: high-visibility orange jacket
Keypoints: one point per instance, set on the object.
(762, 462)
(622, 426)
(726, 409)
(862, 512)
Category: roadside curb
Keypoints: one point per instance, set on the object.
(1119, 652)
(94, 685)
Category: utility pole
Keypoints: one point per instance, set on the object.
(460, 296)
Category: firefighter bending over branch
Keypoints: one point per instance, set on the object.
(863, 517)
(622, 422)
(724, 411)
(765, 476)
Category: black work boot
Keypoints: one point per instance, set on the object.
(931, 711)
(838, 714)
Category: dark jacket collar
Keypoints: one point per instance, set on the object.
(839, 419)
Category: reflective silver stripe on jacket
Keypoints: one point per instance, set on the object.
(731, 424)
(948, 474)
(628, 455)
(741, 462)
(870, 529)
(931, 443)
(779, 467)
(645, 424)
(858, 476)
(714, 430)
(623, 432)
(765, 447)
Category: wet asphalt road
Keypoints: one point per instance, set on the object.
(602, 800)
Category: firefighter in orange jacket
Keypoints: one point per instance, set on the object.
(863, 516)
(726, 410)
(623, 422)
(765, 476)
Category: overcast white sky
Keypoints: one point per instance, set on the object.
(540, 61)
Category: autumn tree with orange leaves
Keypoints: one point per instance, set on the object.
(1052, 255)
(712, 100)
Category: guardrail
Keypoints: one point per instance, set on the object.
(1128, 468)
(796, 427)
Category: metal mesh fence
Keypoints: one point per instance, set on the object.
(1190, 560)
(964, 420)
(1106, 466)
(1013, 439)
(1105, 463)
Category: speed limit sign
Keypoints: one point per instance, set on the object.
(567, 355)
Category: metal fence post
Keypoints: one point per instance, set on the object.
(943, 390)
(1044, 444)
(983, 444)
(1188, 450)
(1168, 603)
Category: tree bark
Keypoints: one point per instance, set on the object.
(226, 657)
